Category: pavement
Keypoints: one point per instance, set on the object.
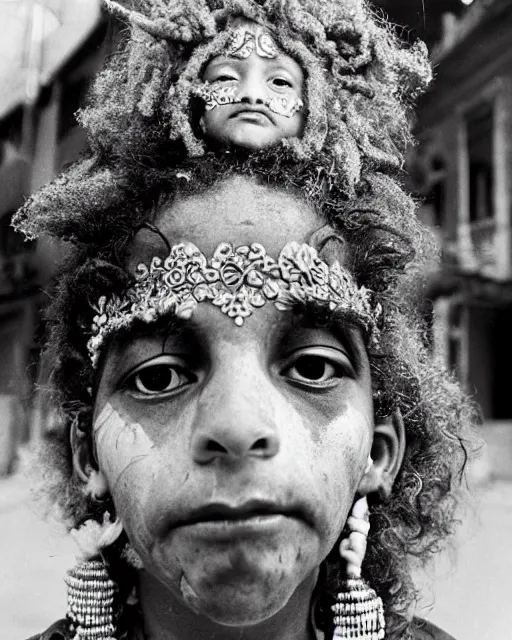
(467, 593)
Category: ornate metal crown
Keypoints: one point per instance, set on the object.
(237, 280)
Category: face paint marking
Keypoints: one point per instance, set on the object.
(113, 433)
(243, 42)
(216, 95)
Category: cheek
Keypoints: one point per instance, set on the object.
(120, 444)
(340, 454)
(128, 458)
(297, 122)
(214, 119)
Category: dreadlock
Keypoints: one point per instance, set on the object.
(359, 85)
(145, 150)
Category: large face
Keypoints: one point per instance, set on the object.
(233, 454)
(253, 92)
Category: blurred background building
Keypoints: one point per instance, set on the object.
(462, 171)
(49, 52)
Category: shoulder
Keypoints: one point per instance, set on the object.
(424, 630)
(58, 631)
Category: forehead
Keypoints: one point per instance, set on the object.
(238, 211)
(246, 28)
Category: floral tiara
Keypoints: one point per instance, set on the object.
(237, 280)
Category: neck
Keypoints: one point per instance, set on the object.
(166, 617)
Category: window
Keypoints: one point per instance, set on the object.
(436, 202)
(11, 131)
(73, 97)
(479, 128)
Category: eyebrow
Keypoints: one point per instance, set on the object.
(219, 61)
(341, 322)
(165, 325)
(302, 314)
(280, 61)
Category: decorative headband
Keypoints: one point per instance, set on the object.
(237, 280)
(243, 42)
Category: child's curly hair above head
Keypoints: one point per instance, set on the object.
(359, 79)
(359, 83)
(437, 417)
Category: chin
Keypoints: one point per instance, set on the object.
(253, 138)
(239, 603)
(244, 589)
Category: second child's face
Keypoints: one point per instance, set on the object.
(255, 93)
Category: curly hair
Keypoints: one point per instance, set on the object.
(144, 150)
(419, 515)
(360, 83)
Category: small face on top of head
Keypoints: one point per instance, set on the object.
(252, 92)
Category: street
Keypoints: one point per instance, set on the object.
(469, 593)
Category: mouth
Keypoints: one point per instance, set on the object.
(258, 115)
(220, 520)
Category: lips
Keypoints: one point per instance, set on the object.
(252, 509)
(257, 113)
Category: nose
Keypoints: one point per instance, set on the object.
(235, 421)
(251, 89)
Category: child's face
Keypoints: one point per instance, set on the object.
(252, 92)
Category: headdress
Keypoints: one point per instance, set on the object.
(237, 280)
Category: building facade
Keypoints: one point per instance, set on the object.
(462, 171)
(38, 136)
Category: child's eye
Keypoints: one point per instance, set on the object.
(282, 83)
(225, 77)
(158, 378)
(317, 369)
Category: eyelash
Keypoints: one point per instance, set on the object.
(324, 356)
(135, 385)
(340, 368)
(225, 78)
(279, 82)
(283, 82)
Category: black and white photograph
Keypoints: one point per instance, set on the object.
(297, 214)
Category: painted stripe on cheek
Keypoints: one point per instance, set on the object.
(120, 443)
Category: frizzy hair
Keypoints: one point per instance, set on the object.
(359, 79)
(419, 514)
(360, 83)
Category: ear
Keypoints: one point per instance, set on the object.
(94, 480)
(387, 454)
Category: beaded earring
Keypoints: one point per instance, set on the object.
(358, 612)
(91, 590)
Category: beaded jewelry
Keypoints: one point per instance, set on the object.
(358, 612)
(91, 590)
